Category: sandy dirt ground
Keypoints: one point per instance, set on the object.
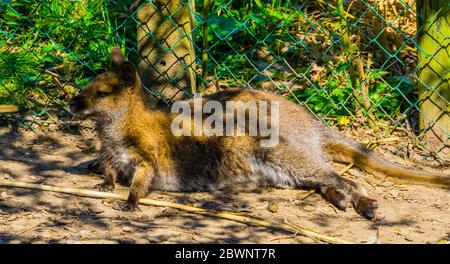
(58, 155)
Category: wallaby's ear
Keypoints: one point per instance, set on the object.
(116, 59)
(127, 73)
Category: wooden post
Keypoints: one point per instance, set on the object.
(434, 73)
(206, 11)
(164, 34)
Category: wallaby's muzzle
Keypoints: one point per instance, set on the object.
(78, 104)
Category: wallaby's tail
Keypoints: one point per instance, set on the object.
(346, 150)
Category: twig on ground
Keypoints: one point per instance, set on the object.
(238, 218)
(76, 204)
(332, 207)
(349, 166)
(36, 225)
(283, 237)
(308, 232)
(309, 193)
(383, 140)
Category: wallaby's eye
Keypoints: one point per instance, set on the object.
(102, 94)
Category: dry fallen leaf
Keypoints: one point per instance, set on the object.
(127, 229)
(272, 207)
(309, 208)
(401, 187)
(107, 201)
(96, 209)
(396, 230)
(387, 184)
(393, 193)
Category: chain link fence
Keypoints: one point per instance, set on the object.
(379, 65)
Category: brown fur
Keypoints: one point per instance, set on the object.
(138, 144)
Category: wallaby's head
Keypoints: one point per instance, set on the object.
(110, 92)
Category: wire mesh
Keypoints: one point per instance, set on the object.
(370, 63)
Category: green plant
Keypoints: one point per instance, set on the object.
(245, 43)
(69, 38)
(333, 98)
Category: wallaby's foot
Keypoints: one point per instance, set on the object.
(335, 196)
(341, 195)
(366, 207)
(105, 187)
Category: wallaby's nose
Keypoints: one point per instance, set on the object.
(75, 103)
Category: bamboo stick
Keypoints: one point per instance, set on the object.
(224, 215)
(8, 108)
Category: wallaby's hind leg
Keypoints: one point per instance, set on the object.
(110, 175)
(343, 190)
(307, 169)
(337, 197)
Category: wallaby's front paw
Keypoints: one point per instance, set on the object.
(366, 207)
(105, 187)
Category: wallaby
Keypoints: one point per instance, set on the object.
(138, 143)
